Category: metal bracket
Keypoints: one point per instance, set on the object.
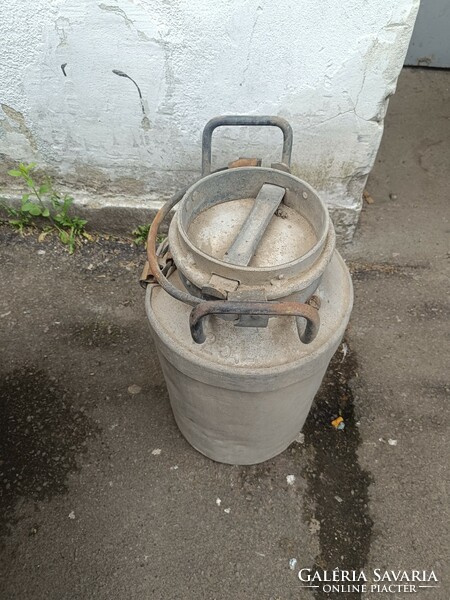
(166, 265)
(281, 167)
(243, 294)
(219, 287)
(245, 162)
(146, 276)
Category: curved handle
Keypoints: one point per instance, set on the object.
(271, 309)
(232, 120)
(152, 259)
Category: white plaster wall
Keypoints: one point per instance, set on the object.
(328, 67)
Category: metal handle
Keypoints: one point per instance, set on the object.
(153, 264)
(232, 120)
(271, 309)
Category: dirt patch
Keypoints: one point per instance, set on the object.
(363, 270)
(41, 436)
(427, 311)
(336, 502)
(96, 333)
(256, 481)
(106, 256)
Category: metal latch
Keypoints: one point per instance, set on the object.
(244, 294)
(165, 261)
(219, 287)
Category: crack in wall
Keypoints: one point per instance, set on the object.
(375, 119)
(129, 22)
(250, 45)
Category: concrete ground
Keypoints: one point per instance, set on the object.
(101, 497)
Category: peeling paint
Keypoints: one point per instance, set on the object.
(62, 24)
(18, 118)
(330, 73)
(130, 23)
(118, 11)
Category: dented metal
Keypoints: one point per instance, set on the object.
(248, 302)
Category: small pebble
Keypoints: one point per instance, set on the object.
(156, 451)
(227, 510)
(392, 442)
(218, 501)
(292, 563)
(134, 389)
(72, 514)
(300, 439)
(290, 479)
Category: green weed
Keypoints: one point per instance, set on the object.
(140, 235)
(41, 201)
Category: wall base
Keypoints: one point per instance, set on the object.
(120, 215)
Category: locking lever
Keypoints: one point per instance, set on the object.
(246, 242)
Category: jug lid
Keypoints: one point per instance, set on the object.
(255, 229)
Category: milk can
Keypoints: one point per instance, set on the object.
(247, 301)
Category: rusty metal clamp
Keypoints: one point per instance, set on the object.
(157, 273)
(166, 265)
(202, 308)
(271, 309)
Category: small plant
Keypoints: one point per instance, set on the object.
(43, 201)
(140, 235)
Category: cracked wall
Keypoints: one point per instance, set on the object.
(118, 91)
